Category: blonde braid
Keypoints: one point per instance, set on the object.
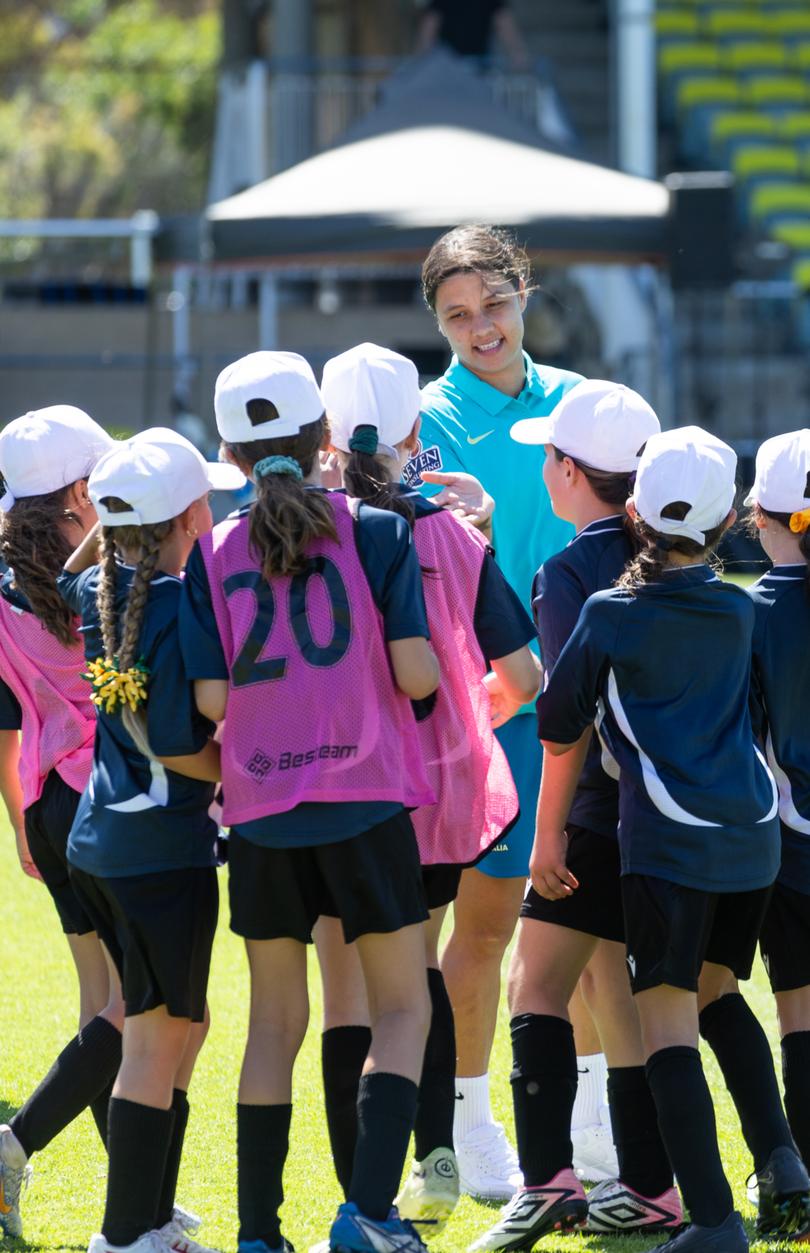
(152, 536)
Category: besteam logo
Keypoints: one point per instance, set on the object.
(261, 765)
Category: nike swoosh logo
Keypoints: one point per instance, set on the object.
(476, 439)
(4, 1209)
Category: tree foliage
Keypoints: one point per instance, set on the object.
(106, 106)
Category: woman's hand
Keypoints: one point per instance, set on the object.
(463, 495)
(331, 476)
(24, 854)
(549, 874)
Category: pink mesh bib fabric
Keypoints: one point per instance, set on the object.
(313, 712)
(466, 765)
(58, 720)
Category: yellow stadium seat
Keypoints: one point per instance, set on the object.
(673, 58)
(793, 125)
(776, 89)
(742, 125)
(789, 23)
(731, 23)
(796, 234)
(753, 54)
(780, 198)
(700, 91)
(762, 160)
(676, 22)
(800, 273)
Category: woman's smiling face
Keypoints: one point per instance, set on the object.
(482, 319)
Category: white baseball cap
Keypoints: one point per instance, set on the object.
(782, 478)
(604, 425)
(159, 473)
(371, 386)
(47, 449)
(691, 465)
(284, 379)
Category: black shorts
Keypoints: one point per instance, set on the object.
(785, 939)
(159, 929)
(47, 827)
(595, 908)
(372, 882)
(441, 884)
(672, 930)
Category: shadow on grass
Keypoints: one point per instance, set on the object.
(7, 1111)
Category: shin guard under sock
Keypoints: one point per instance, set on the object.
(386, 1110)
(796, 1077)
(263, 1137)
(643, 1162)
(688, 1129)
(743, 1053)
(544, 1084)
(138, 1142)
(343, 1054)
(436, 1102)
(82, 1071)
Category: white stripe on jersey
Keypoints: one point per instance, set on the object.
(787, 809)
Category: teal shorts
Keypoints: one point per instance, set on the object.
(509, 859)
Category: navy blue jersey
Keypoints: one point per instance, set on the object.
(781, 698)
(592, 562)
(136, 817)
(667, 671)
(388, 557)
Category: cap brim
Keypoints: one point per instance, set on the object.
(531, 431)
(225, 477)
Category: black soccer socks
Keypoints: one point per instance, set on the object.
(688, 1129)
(643, 1162)
(544, 1085)
(737, 1039)
(386, 1110)
(262, 1137)
(172, 1171)
(138, 1138)
(343, 1054)
(436, 1103)
(796, 1077)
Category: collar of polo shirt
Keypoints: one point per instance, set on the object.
(488, 397)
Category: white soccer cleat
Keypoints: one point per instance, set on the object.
(487, 1164)
(594, 1151)
(180, 1238)
(150, 1242)
(431, 1191)
(615, 1209)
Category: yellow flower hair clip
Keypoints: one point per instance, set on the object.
(800, 521)
(117, 687)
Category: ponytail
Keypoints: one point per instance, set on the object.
(650, 560)
(366, 478)
(285, 518)
(608, 486)
(119, 676)
(784, 519)
(33, 546)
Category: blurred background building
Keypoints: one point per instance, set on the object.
(186, 182)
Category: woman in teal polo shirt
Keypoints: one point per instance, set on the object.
(475, 279)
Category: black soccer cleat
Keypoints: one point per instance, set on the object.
(784, 1195)
(729, 1237)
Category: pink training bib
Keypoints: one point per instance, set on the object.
(58, 720)
(467, 768)
(313, 711)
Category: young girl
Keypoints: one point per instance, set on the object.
(304, 625)
(780, 500)
(372, 400)
(593, 442)
(476, 280)
(666, 659)
(141, 848)
(45, 459)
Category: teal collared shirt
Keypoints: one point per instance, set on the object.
(465, 426)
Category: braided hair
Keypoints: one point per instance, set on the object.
(650, 561)
(33, 546)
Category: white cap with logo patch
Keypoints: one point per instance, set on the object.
(158, 473)
(689, 465)
(371, 386)
(284, 379)
(47, 449)
(601, 424)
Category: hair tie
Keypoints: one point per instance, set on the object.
(364, 439)
(800, 521)
(278, 465)
(117, 687)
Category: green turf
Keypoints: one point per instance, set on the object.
(63, 1206)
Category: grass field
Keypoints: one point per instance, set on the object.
(64, 1204)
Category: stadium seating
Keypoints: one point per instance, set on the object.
(734, 80)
